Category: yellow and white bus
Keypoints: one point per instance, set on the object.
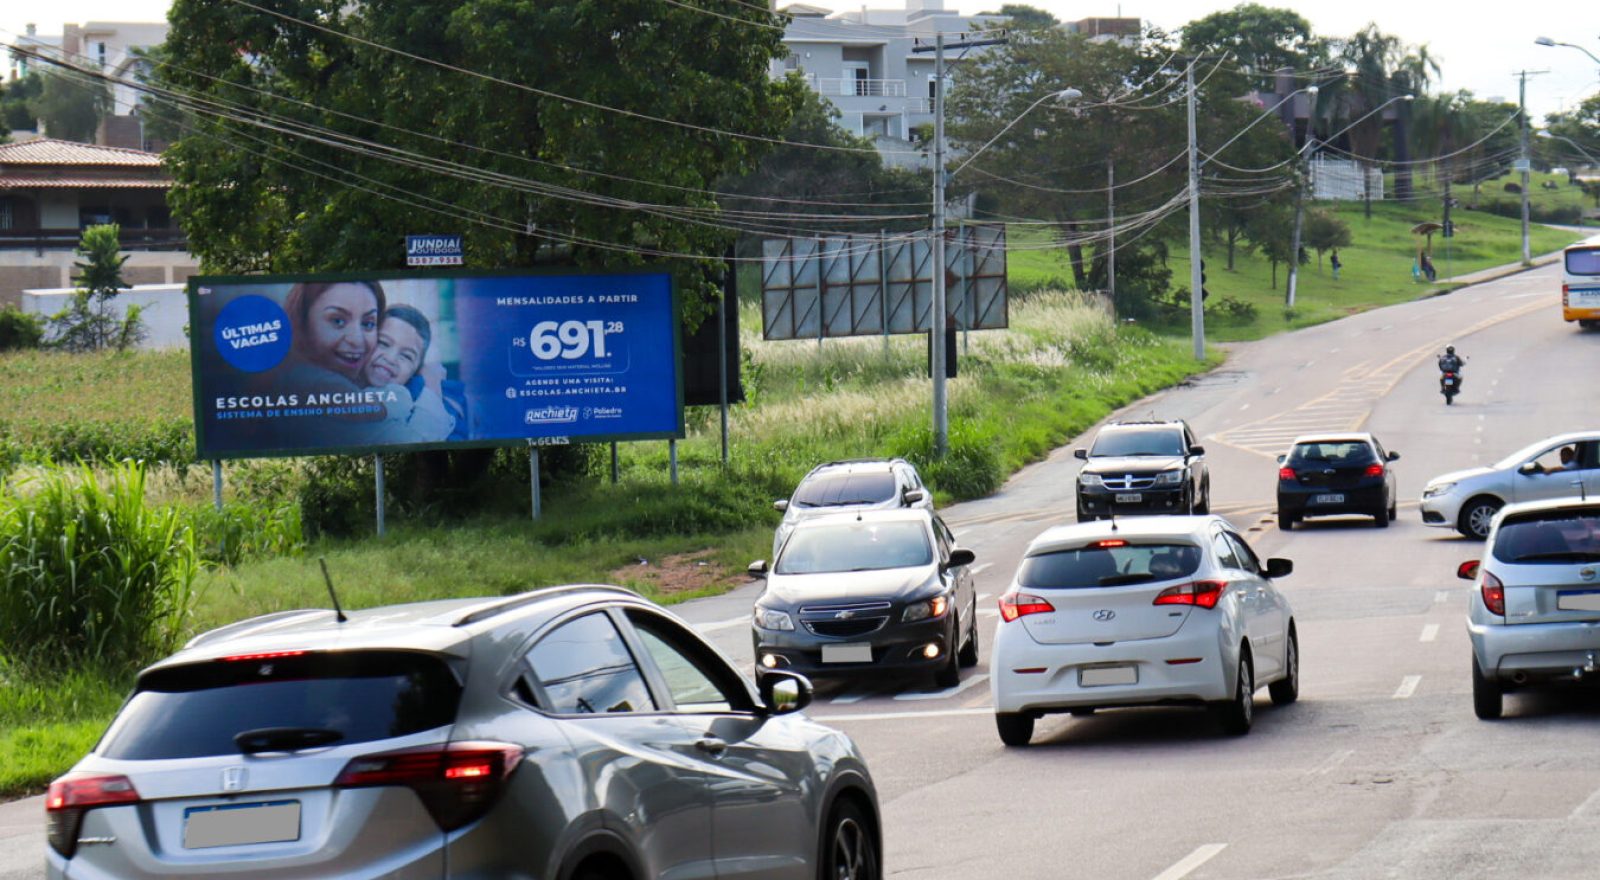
(1580, 283)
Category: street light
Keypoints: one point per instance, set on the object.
(1575, 144)
(1546, 41)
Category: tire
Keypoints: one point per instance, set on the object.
(1085, 712)
(968, 656)
(948, 675)
(1488, 700)
(849, 852)
(1236, 714)
(1286, 521)
(1381, 518)
(1394, 508)
(1204, 508)
(1476, 517)
(1287, 689)
(1449, 399)
(1015, 728)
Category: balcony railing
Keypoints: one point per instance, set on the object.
(868, 88)
(42, 239)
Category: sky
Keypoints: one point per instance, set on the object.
(1478, 51)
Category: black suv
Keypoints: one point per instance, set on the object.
(1143, 467)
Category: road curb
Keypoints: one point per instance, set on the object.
(1498, 273)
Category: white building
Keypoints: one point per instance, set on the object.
(114, 47)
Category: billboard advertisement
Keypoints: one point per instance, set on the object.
(334, 364)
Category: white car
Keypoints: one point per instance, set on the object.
(1535, 620)
(860, 484)
(1551, 468)
(1166, 610)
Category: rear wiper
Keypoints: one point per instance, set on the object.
(284, 739)
(1567, 555)
(1118, 580)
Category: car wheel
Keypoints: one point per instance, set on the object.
(1236, 714)
(1488, 700)
(1204, 506)
(949, 673)
(1286, 521)
(1381, 518)
(851, 854)
(1084, 712)
(1394, 507)
(1287, 689)
(1016, 728)
(1477, 517)
(969, 652)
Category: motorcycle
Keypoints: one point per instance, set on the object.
(1450, 385)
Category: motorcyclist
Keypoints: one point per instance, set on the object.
(1450, 362)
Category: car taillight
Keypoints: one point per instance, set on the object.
(1286, 474)
(1015, 605)
(1494, 594)
(1374, 470)
(1201, 594)
(457, 783)
(77, 793)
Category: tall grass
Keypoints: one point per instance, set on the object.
(89, 573)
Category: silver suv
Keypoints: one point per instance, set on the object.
(572, 733)
(860, 484)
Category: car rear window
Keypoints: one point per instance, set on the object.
(1108, 564)
(196, 710)
(856, 546)
(1332, 453)
(1146, 441)
(1583, 261)
(1552, 539)
(829, 490)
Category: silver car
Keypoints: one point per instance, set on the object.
(1536, 617)
(861, 484)
(572, 733)
(1551, 468)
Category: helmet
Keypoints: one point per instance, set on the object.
(1449, 349)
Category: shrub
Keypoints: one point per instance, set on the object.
(88, 571)
(247, 530)
(18, 329)
(970, 468)
(1231, 310)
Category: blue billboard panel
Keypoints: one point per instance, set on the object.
(292, 366)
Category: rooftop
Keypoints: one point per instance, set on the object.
(49, 151)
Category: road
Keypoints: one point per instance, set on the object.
(1380, 770)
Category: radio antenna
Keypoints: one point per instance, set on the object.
(338, 613)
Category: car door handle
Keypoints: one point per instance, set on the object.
(711, 745)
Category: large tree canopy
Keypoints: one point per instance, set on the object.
(535, 145)
(1262, 39)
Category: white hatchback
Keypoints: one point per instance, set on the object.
(1148, 611)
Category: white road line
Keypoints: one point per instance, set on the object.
(1243, 408)
(1442, 596)
(847, 698)
(909, 716)
(988, 612)
(983, 596)
(947, 692)
(1192, 861)
(1328, 764)
(721, 624)
(1583, 808)
(1408, 686)
(1430, 632)
(978, 569)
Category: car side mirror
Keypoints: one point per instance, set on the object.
(781, 505)
(1529, 468)
(1468, 571)
(959, 557)
(783, 692)
(1081, 453)
(914, 496)
(758, 569)
(1197, 450)
(1394, 456)
(1278, 567)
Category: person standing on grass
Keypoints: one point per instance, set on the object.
(1334, 262)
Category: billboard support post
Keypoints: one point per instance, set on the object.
(614, 462)
(722, 368)
(377, 474)
(672, 460)
(533, 476)
(216, 483)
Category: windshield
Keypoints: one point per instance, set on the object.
(829, 490)
(855, 546)
(1108, 566)
(1332, 454)
(1152, 441)
(1583, 261)
(1553, 537)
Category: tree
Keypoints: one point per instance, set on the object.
(15, 98)
(87, 324)
(1025, 16)
(553, 154)
(1383, 67)
(1261, 39)
(1325, 232)
(70, 107)
(1271, 229)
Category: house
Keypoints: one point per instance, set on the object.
(112, 46)
(51, 190)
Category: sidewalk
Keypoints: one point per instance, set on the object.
(1495, 273)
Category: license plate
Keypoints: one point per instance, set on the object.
(847, 653)
(241, 824)
(1579, 600)
(1130, 498)
(1101, 676)
(1449, 381)
(1327, 499)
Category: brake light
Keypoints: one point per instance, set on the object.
(73, 795)
(264, 655)
(1374, 470)
(1565, 300)
(1494, 594)
(1287, 474)
(1201, 594)
(1110, 542)
(457, 783)
(1015, 605)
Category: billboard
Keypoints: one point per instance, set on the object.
(332, 364)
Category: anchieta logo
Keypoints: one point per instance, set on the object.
(551, 415)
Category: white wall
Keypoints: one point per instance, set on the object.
(165, 315)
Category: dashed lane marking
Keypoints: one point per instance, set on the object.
(1192, 861)
(978, 569)
(1442, 596)
(1408, 686)
(1329, 764)
(1430, 632)
(944, 694)
(906, 716)
(721, 624)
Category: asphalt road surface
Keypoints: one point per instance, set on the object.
(1380, 770)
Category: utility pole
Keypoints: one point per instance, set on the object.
(1197, 315)
(1294, 239)
(936, 317)
(1111, 230)
(1524, 162)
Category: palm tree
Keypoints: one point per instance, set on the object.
(1382, 68)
